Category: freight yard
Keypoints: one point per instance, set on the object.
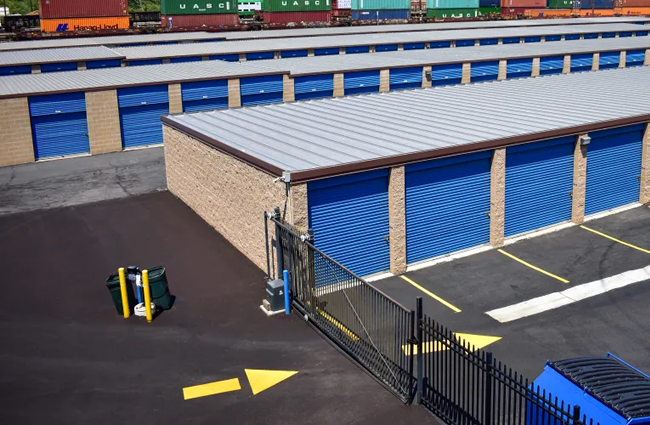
(365, 212)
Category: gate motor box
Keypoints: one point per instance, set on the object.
(275, 294)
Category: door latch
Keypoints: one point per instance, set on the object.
(387, 238)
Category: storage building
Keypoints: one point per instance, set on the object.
(389, 180)
(55, 60)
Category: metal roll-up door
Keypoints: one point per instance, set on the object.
(613, 168)
(185, 59)
(349, 216)
(15, 70)
(641, 33)
(259, 56)
(326, 51)
(226, 58)
(294, 53)
(609, 60)
(465, 43)
(634, 58)
(145, 62)
(439, 44)
(552, 38)
(511, 40)
(569, 37)
(357, 49)
(442, 75)
(551, 65)
(625, 34)
(534, 39)
(313, 86)
(484, 71)
(488, 41)
(609, 35)
(405, 78)
(447, 205)
(59, 125)
(204, 95)
(140, 111)
(589, 36)
(539, 181)
(386, 48)
(361, 82)
(110, 63)
(413, 46)
(58, 67)
(261, 90)
(580, 63)
(519, 68)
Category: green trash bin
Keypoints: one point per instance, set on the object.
(113, 285)
(159, 288)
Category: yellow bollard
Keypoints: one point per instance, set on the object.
(125, 299)
(147, 293)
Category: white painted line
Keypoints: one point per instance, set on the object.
(447, 258)
(568, 296)
(377, 276)
(536, 233)
(612, 211)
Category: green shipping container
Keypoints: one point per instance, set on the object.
(197, 7)
(452, 13)
(452, 4)
(559, 4)
(296, 5)
(487, 10)
(381, 4)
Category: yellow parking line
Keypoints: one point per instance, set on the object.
(432, 295)
(340, 326)
(615, 240)
(533, 267)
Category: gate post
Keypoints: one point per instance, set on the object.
(488, 390)
(576, 415)
(278, 243)
(420, 356)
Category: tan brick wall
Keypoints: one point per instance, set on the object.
(566, 66)
(498, 197)
(397, 219)
(103, 122)
(578, 193)
(596, 64)
(500, 41)
(310, 53)
(535, 72)
(477, 42)
(299, 206)
(242, 57)
(426, 83)
(384, 80)
(234, 93)
(36, 69)
(341, 50)
(288, 90)
(621, 63)
(228, 194)
(467, 73)
(372, 49)
(646, 62)
(400, 47)
(276, 55)
(452, 43)
(166, 61)
(503, 70)
(205, 58)
(16, 146)
(81, 66)
(339, 89)
(645, 167)
(175, 99)
(542, 39)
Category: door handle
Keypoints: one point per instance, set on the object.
(387, 238)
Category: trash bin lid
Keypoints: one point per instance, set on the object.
(610, 380)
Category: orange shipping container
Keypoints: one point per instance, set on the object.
(625, 11)
(85, 24)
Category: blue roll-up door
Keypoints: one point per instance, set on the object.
(204, 95)
(59, 125)
(609, 60)
(294, 53)
(569, 37)
(634, 58)
(609, 35)
(145, 62)
(361, 82)
(185, 59)
(484, 71)
(326, 51)
(405, 78)
(259, 56)
(613, 168)
(511, 40)
(581, 63)
(539, 181)
(442, 75)
(551, 65)
(488, 41)
(313, 86)
(518, 68)
(465, 43)
(15, 70)
(226, 58)
(447, 205)
(109, 63)
(590, 36)
(162, 43)
(439, 44)
(625, 34)
(357, 49)
(58, 67)
(534, 39)
(413, 46)
(261, 90)
(553, 38)
(140, 111)
(641, 33)
(349, 216)
(386, 48)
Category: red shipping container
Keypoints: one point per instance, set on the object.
(218, 20)
(513, 10)
(82, 8)
(635, 3)
(418, 4)
(528, 4)
(286, 17)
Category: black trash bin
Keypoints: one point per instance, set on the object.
(159, 288)
(113, 285)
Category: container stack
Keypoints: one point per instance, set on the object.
(83, 15)
(518, 7)
(297, 11)
(199, 14)
(381, 10)
(452, 9)
(486, 7)
(341, 8)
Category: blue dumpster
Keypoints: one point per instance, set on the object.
(607, 389)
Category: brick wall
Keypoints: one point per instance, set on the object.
(175, 99)
(397, 219)
(103, 122)
(16, 145)
(498, 197)
(579, 191)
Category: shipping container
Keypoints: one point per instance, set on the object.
(489, 3)
(527, 4)
(341, 4)
(507, 11)
(219, 20)
(197, 7)
(560, 4)
(418, 5)
(286, 17)
(488, 10)
(82, 8)
(585, 12)
(636, 3)
(85, 24)
(381, 4)
(452, 4)
(296, 5)
(596, 4)
(452, 13)
(381, 15)
(636, 10)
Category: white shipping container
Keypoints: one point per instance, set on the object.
(345, 4)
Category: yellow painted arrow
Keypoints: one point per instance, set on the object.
(211, 389)
(468, 340)
(259, 380)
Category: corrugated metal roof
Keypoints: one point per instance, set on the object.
(108, 40)
(353, 133)
(439, 26)
(265, 45)
(20, 85)
(27, 57)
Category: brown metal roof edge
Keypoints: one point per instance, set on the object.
(229, 150)
(320, 173)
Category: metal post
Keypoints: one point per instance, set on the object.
(278, 243)
(147, 294)
(420, 355)
(576, 415)
(125, 300)
(488, 390)
(266, 245)
(287, 306)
